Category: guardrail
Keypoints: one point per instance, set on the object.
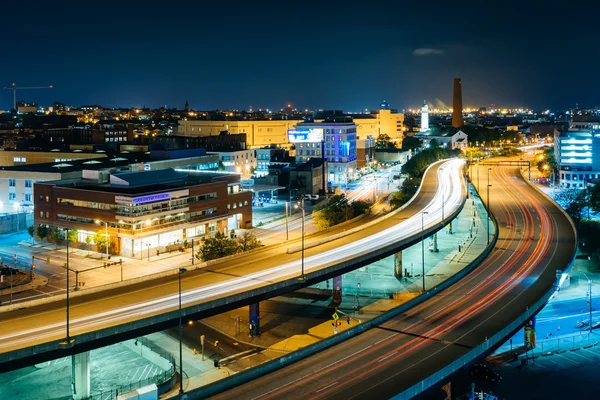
(278, 363)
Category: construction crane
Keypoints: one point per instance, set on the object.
(14, 88)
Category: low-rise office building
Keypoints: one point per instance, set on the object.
(240, 161)
(365, 151)
(267, 157)
(24, 157)
(144, 211)
(259, 133)
(338, 138)
(577, 156)
(16, 182)
(456, 140)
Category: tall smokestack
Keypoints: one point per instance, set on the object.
(457, 108)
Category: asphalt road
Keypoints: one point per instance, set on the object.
(535, 239)
(93, 312)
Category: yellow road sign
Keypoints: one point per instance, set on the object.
(335, 316)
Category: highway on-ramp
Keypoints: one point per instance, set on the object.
(106, 314)
(535, 239)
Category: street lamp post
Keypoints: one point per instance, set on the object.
(287, 234)
(67, 265)
(488, 205)
(423, 245)
(181, 272)
(443, 200)
(148, 245)
(300, 205)
(147, 222)
(589, 292)
(17, 205)
(106, 234)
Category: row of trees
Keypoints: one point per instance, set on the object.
(58, 236)
(222, 245)
(338, 210)
(384, 141)
(416, 166)
(407, 190)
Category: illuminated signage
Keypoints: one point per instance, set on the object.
(305, 135)
(144, 199)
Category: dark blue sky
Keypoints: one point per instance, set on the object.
(343, 54)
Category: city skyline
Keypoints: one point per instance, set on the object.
(339, 55)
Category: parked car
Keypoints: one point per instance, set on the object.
(484, 373)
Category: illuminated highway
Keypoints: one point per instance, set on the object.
(535, 239)
(122, 309)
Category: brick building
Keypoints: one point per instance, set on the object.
(144, 210)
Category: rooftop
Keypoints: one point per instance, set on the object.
(144, 182)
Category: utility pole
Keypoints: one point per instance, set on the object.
(488, 205)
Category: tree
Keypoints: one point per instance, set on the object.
(73, 235)
(248, 241)
(42, 231)
(473, 153)
(433, 144)
(101, 241)
(407, 190)
(88, 243)
(56, 236)
(574, 202)
(337, 210)
(220, 166)
(31, 231)
(411, 143)
(384, 141)
(217, 247)
(416, 166)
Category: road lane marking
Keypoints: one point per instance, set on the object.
(342, 359)
(386, 338)
(388, 356)
(280, 387)
(328, 386)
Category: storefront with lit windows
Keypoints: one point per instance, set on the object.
(142, 216)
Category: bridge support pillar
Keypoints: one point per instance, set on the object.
(81, 378)
(398, 264)
(254, 325)
(435, 244)
(337, 290)
(450, 227)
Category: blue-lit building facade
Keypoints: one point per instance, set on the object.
(577, 154)
(338, 139)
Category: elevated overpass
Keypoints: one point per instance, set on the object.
(34, 334)
(420, 348)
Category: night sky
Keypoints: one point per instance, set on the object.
(328, 54)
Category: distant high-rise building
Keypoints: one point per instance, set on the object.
(457, 108)
(424, 117)
(187, 106)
